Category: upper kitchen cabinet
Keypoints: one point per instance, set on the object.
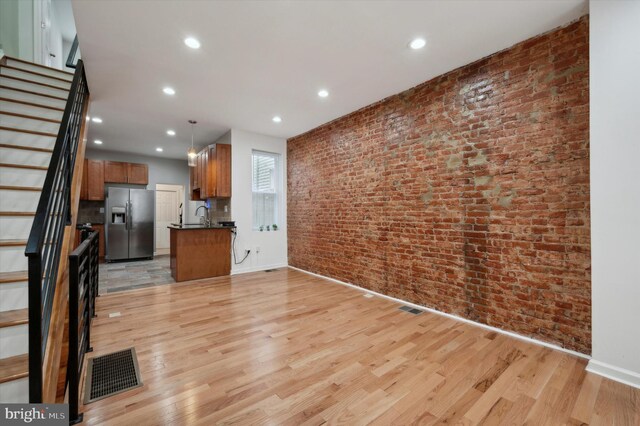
(211, 177)
(219, 171)
(92, 180)
(120, 172)
(115, 172)
(95, 180)
(138, 173)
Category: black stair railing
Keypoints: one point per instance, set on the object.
(83, 289)
(47, 233)
(73, 52)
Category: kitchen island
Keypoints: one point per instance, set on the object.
(199, 251)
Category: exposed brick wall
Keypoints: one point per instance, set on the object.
(468, 193)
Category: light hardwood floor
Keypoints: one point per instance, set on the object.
(289, 348)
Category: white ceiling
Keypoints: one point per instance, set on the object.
(264, 58)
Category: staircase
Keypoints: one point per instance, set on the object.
(32, 102)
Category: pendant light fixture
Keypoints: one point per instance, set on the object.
(191, 152)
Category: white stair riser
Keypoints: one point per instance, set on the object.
(33, 77)
(49, 71)
(18, 201)
(21, 177)
(14, 296)
(15, 228)
(14, 340)
(51, 114)
(61, 93)
(28, 97)
(12, 259)
(25, 157)
(15, 391)
(28, 124)
(26, 139)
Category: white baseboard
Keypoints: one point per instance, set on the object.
(455, 317)
(258, 268)
(612, 372)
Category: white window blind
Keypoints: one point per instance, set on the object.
(265, 167)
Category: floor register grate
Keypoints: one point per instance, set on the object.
(411, 310)
(111, 374)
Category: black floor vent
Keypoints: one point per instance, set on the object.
(270, 270)
(111, 374)
(411, 310)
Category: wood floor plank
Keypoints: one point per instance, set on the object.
(290, 348)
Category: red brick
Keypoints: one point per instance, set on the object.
(468, 193)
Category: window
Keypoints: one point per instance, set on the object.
(265, 168)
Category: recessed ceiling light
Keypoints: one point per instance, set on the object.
(323, 93)
(277, 119)
(159, 149)
(96, 120)
(171, 132)
(97, 142)
(192, 42)
(88, 118)
(169, 91)
(417, 43)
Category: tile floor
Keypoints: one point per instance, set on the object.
(130, 275)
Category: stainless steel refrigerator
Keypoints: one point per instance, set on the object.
(129, 223)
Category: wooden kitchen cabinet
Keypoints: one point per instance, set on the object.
(121, 172)
(95, 180)
(92, 180)
(211, 177)
(84, 187)
(115, 172)
(137, 173)
(219, 171)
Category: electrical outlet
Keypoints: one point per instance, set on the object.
(226, 208)
(257, 249)
(247, 251)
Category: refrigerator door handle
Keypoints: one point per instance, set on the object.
(126, 215)
(130, 219)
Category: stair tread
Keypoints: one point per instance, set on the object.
(15, 317)
(14, 368)
(31, 92)
(25, 147)
(23, 166)
(39, 65)
(33, 132)
(30, 117)
(13, 277)
(20, 188)
(24, 80)
(9, 67)
(17, 101)
(12, 213)
(13, 243)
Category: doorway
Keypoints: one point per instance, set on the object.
(169, 199)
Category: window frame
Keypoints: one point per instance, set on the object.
(277, 185)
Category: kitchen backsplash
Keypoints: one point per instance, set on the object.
(89, 211)
(217, 213)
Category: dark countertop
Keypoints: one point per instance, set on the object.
(79, 225)
(189, 226)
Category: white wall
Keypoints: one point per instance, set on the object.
(16, 28)
(273, 244)
(615, 188)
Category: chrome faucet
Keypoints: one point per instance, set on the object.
(207, 221)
